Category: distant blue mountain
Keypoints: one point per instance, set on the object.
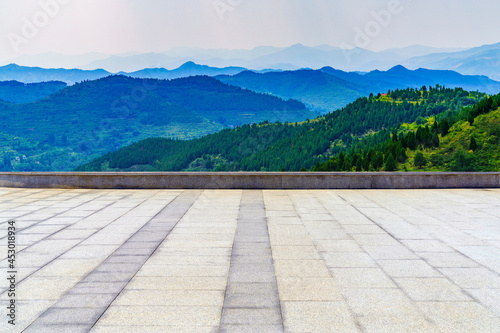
(186, 70)
(37, 74)
(483, 60)
(17, 92)
(318, 90)
(404, 77)
(323, 90)
(23, 74)
(328, 89)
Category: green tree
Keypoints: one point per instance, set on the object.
(444, 127)
(51, 139)
(473, 144)
(7, 165)
(419, 160)
(390, 163)
(359, 166)
(347, 166)
(435, 140)
(463, 161)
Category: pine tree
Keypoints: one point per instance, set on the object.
(435, 140)
(359, 166)
(390, 163)
(473, 144)
(419, 160)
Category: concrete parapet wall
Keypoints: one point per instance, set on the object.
(250, 180)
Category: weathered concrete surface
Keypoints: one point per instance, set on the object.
(253, 260)
(251, 180)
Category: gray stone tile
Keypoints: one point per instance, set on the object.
(168, 297)
(408, 268)
(447, 259)
(431, 289)
(389, 252)
(161, 316)
(42, 328)
(251, 276)
(135, 259)
(318, 317)
(375, 239)
(361, 278)
(344, 245)
(308, 289)
(70, 316)
(256, 301)
(252, 259)
(100, 276)
(301, 268)
(118, 268)
(252, 288)
(348, 259)
(379, 303)
(266, 316)
(90, 301)
(251, 328)
(477, 278)
(461, 316)
(488, 297)
(397, 324)
(426, 245)
(102, 287)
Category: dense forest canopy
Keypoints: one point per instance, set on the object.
(266, 146)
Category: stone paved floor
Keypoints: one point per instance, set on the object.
(253, 261)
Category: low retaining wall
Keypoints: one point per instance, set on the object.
(250, 180)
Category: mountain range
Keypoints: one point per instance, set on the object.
(482, 60)
(24, 74)
(323, 90)
(328, 89)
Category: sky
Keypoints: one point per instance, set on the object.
(141, 26)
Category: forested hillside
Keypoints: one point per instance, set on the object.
(467, 141)
(291, 146)
(86, 120)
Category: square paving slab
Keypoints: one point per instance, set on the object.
(250, 260)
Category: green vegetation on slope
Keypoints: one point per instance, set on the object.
(472, 143)
(82, 122)
(290, 146)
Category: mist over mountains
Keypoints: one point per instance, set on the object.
(483, 60)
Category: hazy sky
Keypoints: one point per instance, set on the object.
(120, 26)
